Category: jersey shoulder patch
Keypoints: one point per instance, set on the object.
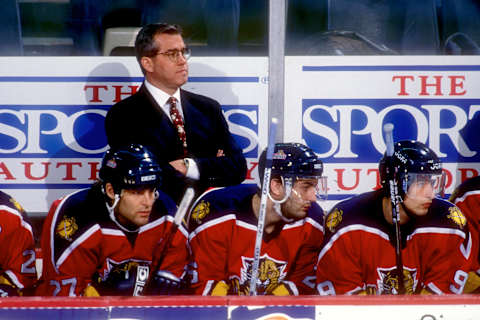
(13, 216)
(9, 201)
(73, 216)
(364, 209)
(443, 213)
(220, 202)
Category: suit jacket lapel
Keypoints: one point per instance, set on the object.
(164, 119)
(188, 113)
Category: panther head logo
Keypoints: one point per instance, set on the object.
(334, 219)
(389, 281)
(270, 273)
(457, 216)
(66, 228)
(201, 211)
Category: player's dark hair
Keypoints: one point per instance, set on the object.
(145, 45)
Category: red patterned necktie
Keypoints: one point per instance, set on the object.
(178, 123)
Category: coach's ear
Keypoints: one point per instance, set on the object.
(109, 191)
(147, 64)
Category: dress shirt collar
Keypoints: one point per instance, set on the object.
(161, 98)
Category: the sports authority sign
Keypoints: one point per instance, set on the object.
(338, 106)
(52, 111)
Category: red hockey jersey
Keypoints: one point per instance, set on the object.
(467, 197)
(17, 246)
(82, 245)
(222, 240)
(358, 255)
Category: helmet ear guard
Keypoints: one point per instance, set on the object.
(288, 183)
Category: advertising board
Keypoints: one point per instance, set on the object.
(338, 106)
(52, 112)
(414, 307)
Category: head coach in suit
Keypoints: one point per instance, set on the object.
(196, 147)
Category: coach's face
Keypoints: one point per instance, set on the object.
(166, 70)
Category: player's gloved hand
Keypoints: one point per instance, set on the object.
(280, 290)
(220, 289)
(116, 284)
(8, 291)
(165, 283)
(473, 283)
(236, 289)
(123, 281)
(90, 291)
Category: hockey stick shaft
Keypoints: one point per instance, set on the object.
(161, 249)
(394, 200)
(263, 206)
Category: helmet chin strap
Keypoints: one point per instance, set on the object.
(277, 203)
(111, 212)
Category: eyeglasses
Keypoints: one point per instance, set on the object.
(174, 55)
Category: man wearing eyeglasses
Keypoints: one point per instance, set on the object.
(162, 116)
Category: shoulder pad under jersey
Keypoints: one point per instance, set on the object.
(472, 184)
(218, 202)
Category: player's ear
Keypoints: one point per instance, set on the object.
(276, 188)
(109, 191)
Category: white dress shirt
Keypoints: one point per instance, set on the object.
(161, 99)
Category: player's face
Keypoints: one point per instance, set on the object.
(303, 194)
(135, 206)
(418, 198)
(163, 72)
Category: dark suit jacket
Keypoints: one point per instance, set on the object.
(139, 119)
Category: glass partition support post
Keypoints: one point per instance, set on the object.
(276, 63)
